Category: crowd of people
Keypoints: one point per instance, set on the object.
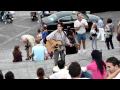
(38, 50)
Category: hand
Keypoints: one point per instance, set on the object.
(70, 45)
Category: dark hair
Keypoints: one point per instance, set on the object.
(38, 30)
(114, 61)
(109, 20)
(60, 24)
(1, 75)
(9, 75)
(61, 64)
(97, 56)
(37, 40)
(40, 73)
(78, 13)
(16, 48)
(74, 69)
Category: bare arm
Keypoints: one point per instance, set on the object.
(113, 74)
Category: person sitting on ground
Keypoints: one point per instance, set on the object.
(40, 73)
(1, 75)
(97, 67)
(75, 70)
(113, 68)
(9, 75)
(39, 52)
(62, 73)
(17, 55)
(60, 64)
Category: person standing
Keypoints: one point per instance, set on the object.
(100, 26)
(59, 35)
(118, 32)
(109, 29)
(93, 35)
(29, 42)
(80, 26)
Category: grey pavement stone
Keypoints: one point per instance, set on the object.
(27, 69)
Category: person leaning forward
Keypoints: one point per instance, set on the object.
(29, 42)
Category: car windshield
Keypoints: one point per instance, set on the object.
(52, 17)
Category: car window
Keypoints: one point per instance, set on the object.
(74, 17)
(65, 19)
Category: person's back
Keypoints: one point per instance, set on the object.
(39, 51)
(92, 67)
(62, 73)
(97, 67)
(17, 55)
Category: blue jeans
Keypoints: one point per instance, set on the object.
(94, 43)
(81, 37)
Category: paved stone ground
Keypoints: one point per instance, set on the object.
(10, 36)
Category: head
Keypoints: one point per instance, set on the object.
(16, 48)
(79, 16)
(9, 75)
(40, 73)
(109, 20)
(24, 39)
(94, 26)
(60, 26)
(112, 64)
(97, 57)
(61, 64)
(74, 69)
(37, 40)
(1, 75)
(44, 26)
(38, 30)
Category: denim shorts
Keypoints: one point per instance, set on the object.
(81, 37)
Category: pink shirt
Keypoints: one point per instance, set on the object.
(92, 67)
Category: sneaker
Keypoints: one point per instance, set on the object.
(84, 51)
(5, 22)
(79, 51)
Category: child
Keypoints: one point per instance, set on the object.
(17, 55)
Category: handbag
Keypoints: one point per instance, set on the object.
(90, 37)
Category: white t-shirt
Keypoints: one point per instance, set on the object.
(117, 77)
(62, 74)
(78, 23)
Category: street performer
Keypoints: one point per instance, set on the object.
(29, 42)
(59, 49)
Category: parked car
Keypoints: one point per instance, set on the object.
(68, 18)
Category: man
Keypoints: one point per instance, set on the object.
(63, 73)
(113, 68)
(29, 42)
(39, 52)
(75, 70)
(80, 26)
(59, 35)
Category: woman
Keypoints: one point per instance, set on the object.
(93, 35)
(41, 73)
(109, 29)
(97, 67)
(17, 55)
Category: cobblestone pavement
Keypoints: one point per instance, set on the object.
(10, 36)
